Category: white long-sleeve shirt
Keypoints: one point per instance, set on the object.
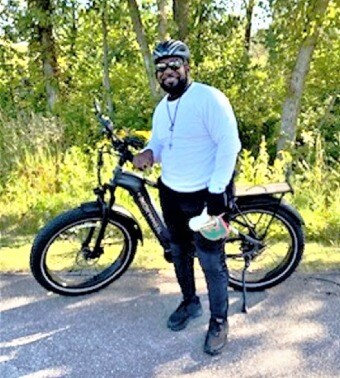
(201, 150)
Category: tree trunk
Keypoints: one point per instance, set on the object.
(143, 44)
(162, 20)
(74, 30)
(106, 63)
(73, 52)
(249, 16)
(291, 105)
(47, 48)
(181, 17)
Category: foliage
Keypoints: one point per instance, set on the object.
(255, 83)
(48, 177)
(20, 137)
(47, 160)
(255, 171)
(316, 186)
(44, 184)
(318, 192)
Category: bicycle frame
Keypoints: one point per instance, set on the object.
(136, 186)
(102, 227)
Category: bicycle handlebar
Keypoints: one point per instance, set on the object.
(104, 121)
(120, 145)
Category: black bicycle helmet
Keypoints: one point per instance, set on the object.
(171, 48)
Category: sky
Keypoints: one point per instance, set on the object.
(261, 15)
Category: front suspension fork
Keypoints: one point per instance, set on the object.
(105, 208)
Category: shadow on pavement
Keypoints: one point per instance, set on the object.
(291, 330)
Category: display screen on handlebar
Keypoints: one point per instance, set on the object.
(135, 142)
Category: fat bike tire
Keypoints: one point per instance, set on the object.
(62, 259)
(283, 246)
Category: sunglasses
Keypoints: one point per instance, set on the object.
(173, 65)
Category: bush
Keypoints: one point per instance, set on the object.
(43, 184)
(316, 186)
(44, 177)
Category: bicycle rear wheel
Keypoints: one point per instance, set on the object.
(282, 245)
(63, 257)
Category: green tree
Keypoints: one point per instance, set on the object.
(42, 46)
(144, 47)
(315, 13)
(181, 15)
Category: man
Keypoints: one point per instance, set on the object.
(195, 138)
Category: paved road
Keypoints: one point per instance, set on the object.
(292, 330)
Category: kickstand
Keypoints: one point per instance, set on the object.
(244, 291)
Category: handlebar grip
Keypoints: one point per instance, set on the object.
(107, 124)
(129, 156)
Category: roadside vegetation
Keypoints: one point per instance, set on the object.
(281, 78)
(45, 183)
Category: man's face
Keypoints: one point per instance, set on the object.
(172, 74)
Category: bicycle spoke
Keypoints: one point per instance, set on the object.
(69, 258)
(277, 244)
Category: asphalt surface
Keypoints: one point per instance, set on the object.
(292, 330)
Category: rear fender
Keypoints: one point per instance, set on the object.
(119, 211)
(292, 211)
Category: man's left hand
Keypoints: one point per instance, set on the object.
(216, 203)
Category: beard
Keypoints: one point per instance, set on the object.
(176, 89)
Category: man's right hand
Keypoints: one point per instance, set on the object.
(143, 160)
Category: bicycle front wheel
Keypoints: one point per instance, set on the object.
(64, 258)
(282, 245)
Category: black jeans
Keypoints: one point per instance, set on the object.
(178, 208)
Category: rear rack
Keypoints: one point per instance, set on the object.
(255, 190)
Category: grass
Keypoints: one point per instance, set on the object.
(318, 257)
(15, 257)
